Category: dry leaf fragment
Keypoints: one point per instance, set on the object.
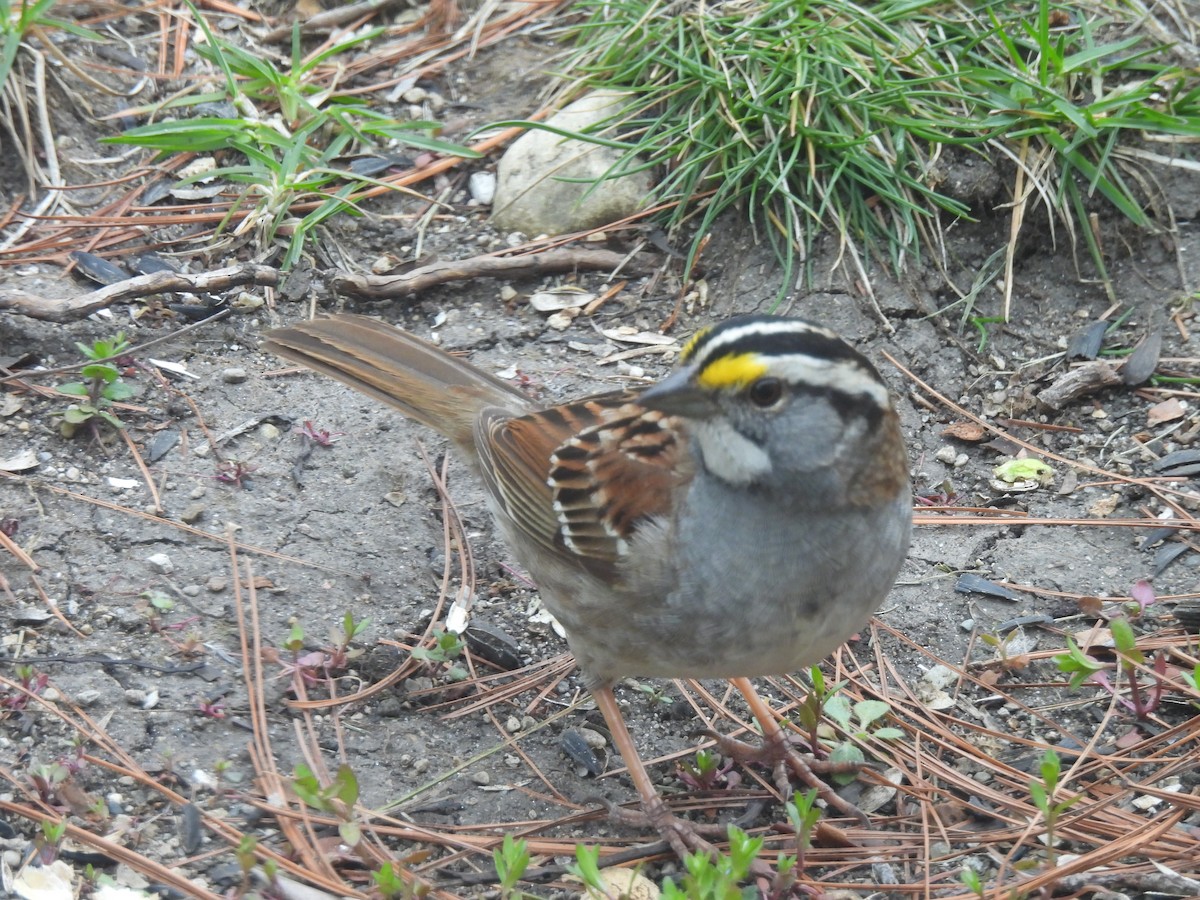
(21, 462)
(1104, 507)
(1167, 411)
(1090, 606)
(970, 432)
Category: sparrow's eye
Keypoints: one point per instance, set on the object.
(766, 392)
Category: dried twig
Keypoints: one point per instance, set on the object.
(69, 309)
(408, 284)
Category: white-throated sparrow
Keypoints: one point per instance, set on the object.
(742, 517)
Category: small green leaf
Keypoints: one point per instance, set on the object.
(159, 600)
(350, 833)
(1024, 470)
(867, 711)
(117, 391)
(1050, 766)
(345, 785)
(1038, 793)
(100, 372)
(837, 708)
(850, 755)
(1125, 640)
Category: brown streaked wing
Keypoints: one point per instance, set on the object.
(515, 452)
(608, 479)
(544, 469)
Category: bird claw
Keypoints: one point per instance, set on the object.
(780, 756)
(682, 836)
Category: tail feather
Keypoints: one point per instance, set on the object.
(422, 381)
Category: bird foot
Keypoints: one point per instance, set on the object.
(682, 836)
(780, 756)
(685, 837)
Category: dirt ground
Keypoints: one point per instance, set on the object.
(357, 528)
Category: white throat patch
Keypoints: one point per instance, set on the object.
(729, 455)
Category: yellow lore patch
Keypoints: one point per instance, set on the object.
(733, 371)
(690, 347)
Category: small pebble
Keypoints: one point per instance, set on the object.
(946, 455)
(144, 699)
(161, 563)
(593, 739)
(482, 187)
(194, 513)
(483, 779)
(217, 583)
(234, 375)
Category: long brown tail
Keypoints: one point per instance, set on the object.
(384, 362)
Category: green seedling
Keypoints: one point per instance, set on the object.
(32, 681)
(447, 647)
(102, 388)
(50, 840)
(655, 695)
(809, 712)
(972, 882)
(288, 159)
(980, 323)
(1084, 668)
(246, 854)
(705, 771)
(305, 667)
(341, 637)
(858, 719)
(587, 868)
(511, 859)
(1003, 646)
(1043, 793)
(804, 814)
(337, 798)
(389, 880)
(47, 778)
(719, 877)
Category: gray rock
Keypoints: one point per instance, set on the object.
(535, 188)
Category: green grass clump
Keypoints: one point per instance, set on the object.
(834, 114)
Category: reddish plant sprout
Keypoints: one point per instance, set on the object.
(1143, 595)
(235, 472)
(212, 710)
(33, 682)
(942, 495)
(320, 436)
(709, 771)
